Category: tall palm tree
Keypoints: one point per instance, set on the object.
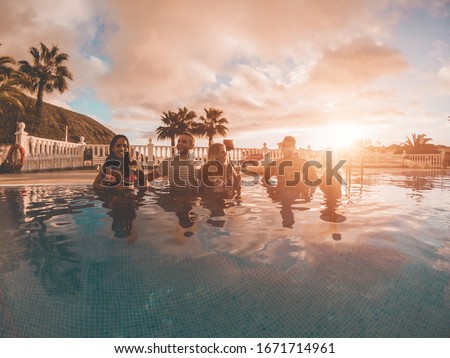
(170, 130)
(46, 74)
(175, 124)
(418, 143)
(213, 124)
(186, 119)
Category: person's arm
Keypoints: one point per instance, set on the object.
(98, 180)
(107, 177)
(237, 180)
(269, 171)
(141, 179)
(237, 176)
(155, 173)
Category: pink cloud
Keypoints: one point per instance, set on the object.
(356, 64)
(267, 64)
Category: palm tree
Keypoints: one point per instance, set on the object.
(186, 119)
(5, 61)
(46, 74)
(176, 123)
(211, 125)
(170, 130)
(418, 143)
(10, 95)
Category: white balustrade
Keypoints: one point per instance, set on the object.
(42, 153)
(396, 160)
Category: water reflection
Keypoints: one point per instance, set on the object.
(329, 213)
(219, 205)
(419, 181)
(287, 198)
(123, 205)
(242, 255)
(46, 213)
(55, 261)
(11, 208)
(181, 205)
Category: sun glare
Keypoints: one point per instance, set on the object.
(341, 136)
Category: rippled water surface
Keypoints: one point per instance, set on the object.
(78, 263)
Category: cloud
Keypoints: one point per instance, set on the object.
(29, 22)
(168, 53)
(269, 65)
(67, 25)
(356, 64)
(444, 72)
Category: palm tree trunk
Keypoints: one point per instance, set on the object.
(39, 102)
(11, 125)
(172, 143)
(210, 140)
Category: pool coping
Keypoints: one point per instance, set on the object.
(70, 177)
(83, 177)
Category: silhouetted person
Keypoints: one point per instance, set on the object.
(290, 185)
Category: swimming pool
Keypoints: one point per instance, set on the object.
(74, 263)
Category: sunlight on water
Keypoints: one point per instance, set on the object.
(154, 264)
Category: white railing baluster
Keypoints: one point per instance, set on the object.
(42, 153)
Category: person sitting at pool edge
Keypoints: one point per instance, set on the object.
(218, 174)
(180, 168)
(119, 170)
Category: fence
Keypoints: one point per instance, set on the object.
(397, 160)
(44, 153)
(154, 154)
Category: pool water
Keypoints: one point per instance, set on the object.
(78, 263)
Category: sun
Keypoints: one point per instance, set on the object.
(341, 136)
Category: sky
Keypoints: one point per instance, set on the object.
(326, 72)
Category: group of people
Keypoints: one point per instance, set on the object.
(217, 174)
(296, 177)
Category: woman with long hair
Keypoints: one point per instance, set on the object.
(218, 175)
(120, 170)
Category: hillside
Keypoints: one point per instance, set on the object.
(53, 124)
